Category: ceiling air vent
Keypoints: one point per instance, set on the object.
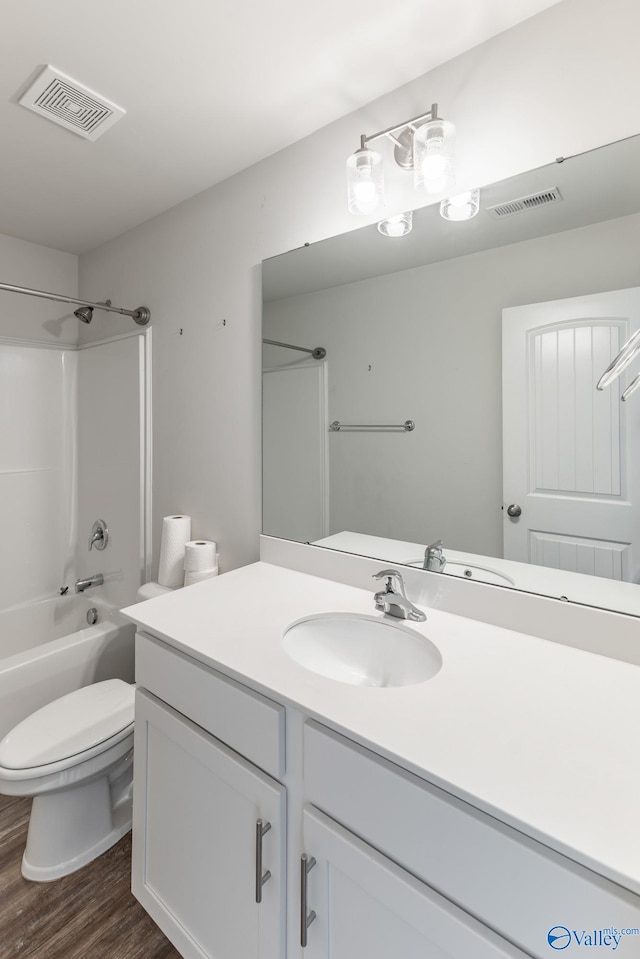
(68, 103)
(523, 203)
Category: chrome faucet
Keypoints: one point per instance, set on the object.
(96, 580)
(395, 603)
(434, 557)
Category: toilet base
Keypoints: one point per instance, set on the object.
(70, 828)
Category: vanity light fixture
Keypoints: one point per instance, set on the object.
(423, 144)
(464, 206)
(397, 225)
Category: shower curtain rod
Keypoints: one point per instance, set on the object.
(318, 353)
(141, 316)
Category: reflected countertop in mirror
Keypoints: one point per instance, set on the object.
(489, 335)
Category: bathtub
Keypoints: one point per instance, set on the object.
(47, 649)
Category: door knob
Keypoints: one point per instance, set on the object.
(514, 510)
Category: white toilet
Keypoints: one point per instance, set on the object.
(75, 757)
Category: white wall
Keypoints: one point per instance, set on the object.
(426, 344)
(555, 85)
(37, 267)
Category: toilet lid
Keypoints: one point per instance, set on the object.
(69, 725)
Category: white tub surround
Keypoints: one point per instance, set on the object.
(538, 735)
(64, 414)
(38, 459)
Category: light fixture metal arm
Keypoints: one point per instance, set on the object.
(431, 114)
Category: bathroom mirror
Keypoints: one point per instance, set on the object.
(487, 338)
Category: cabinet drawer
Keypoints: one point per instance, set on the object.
(517, 886)
(249, 723)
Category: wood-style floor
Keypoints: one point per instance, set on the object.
(88, 915)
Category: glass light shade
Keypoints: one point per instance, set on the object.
(632, 387)
(365, 186)
(433, 157)
(396, 225)
(626, 356)
(464, 206)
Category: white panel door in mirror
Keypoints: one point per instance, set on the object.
(570, 451)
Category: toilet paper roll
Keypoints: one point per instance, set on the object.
(199, 554)
(198, 577)
(176, 531)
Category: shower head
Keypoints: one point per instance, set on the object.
(84, 313)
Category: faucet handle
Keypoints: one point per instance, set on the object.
(391, 574)
(99, 535)
(437, 546)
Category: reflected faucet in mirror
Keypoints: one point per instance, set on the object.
(434, 558)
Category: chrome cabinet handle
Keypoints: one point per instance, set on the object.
(306, 918)
(261, 878)
(514, 510)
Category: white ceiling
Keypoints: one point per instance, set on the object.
(210, 87)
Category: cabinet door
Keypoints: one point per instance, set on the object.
(365, 905)
(195, 843)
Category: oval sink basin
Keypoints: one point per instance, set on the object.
(481, 574)
(362, 650)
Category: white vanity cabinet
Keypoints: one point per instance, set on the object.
(366, 859)
(209, 826)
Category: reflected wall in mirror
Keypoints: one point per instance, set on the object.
(489, 335)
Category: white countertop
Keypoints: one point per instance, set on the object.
(540, 735)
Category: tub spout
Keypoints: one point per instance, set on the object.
(96, 580)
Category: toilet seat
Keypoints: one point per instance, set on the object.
(69, 730)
